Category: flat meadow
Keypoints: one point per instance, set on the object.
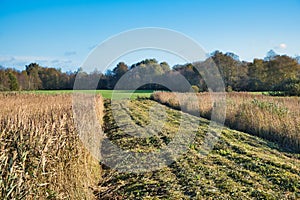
(133, 94)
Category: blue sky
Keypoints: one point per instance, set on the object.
(62, 33)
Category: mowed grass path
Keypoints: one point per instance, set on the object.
(240, 166)
(105, 93)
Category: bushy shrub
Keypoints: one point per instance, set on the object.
(290, 87)
(195, 88)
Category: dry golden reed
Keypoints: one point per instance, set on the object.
(273, 118)
(41, 154)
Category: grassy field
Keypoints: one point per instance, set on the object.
(104, 93)
(274, 118)
(240, 166)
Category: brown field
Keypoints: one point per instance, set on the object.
(274, 118)
(41, 155)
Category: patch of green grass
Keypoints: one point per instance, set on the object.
(116, 94)
(120, 94)
(240, 166)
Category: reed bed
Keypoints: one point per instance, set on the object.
(274, 118)
(41, 154)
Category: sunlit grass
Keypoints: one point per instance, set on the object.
(104, 93)
(240, 166)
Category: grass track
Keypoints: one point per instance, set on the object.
(240, 166)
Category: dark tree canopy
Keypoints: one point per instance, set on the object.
(273, 73)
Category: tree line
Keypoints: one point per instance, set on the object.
(277, 73)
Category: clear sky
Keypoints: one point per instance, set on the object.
(58, 33)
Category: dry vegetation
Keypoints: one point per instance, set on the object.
(41, 155)
(274, 118)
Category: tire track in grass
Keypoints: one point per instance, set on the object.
(161, 183)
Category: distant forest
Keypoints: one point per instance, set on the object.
(277, 73)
